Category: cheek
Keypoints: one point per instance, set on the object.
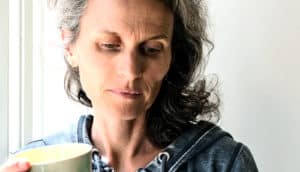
(87, 81)
(156, 74)
(153, 82)
(93, 73)
(159, 69)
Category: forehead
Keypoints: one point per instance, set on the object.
(116, 15)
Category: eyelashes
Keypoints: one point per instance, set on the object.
(151, 49)
(110, 47)
(146, 49)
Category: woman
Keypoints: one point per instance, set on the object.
(135, 63)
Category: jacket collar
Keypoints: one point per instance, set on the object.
(186, 146)
(195, 140)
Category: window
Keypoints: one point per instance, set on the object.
(3, 79)
(57, 108)
(32, 102)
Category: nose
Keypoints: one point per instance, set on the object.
(130, 65)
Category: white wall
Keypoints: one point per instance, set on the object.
(257, 58)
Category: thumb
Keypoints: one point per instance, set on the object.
(20, 165)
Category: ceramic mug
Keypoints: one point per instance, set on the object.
(71, 157)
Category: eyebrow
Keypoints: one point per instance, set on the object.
(108, 32)
(162, 36)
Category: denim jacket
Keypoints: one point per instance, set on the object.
(201, 149)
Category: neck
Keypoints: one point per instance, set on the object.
(123, 142)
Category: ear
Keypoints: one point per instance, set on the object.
(69, 48)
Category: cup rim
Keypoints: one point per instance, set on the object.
(88, 149)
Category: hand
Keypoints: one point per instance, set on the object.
(15, 166)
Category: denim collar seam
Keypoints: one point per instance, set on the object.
(175, 166)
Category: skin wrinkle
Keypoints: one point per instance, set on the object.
(135, 21)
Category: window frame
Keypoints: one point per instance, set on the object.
(20, 74)
(4, 79)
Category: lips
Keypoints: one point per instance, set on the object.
(126, 93)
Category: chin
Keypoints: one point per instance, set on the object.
(128, 112)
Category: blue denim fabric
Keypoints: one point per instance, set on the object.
(201, 149)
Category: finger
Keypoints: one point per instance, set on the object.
(20, 165)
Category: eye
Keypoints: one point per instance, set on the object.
(151, 48)
(110, 46)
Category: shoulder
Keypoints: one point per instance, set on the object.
(75, 133)
(227, 153)
(242, 159)
(209, 148)
(65, 136)
(223, 153)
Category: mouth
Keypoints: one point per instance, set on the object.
(129, 94)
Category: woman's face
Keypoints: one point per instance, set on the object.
(123, 52)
